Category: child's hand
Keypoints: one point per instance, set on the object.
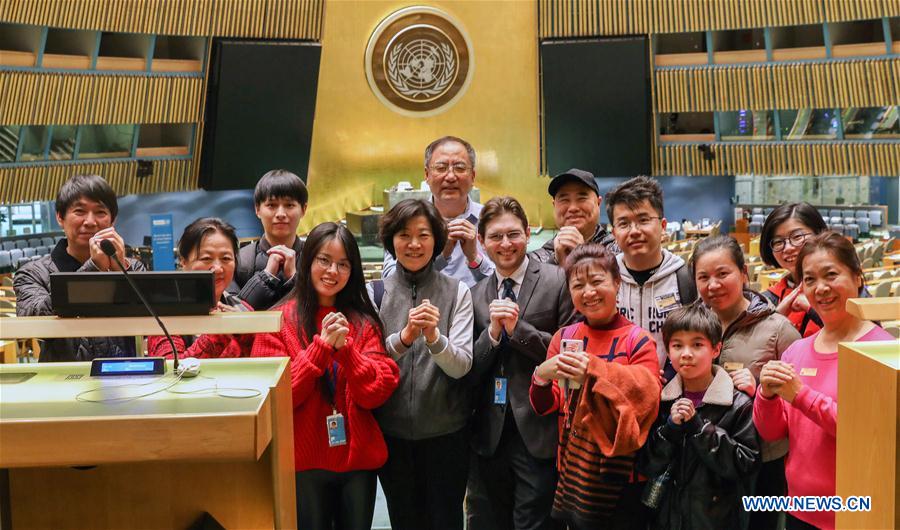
(662, 378)
(743, 380)
(682, 411)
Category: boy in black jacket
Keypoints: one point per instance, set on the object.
(704, 435)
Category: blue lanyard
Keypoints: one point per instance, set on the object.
(331, 379)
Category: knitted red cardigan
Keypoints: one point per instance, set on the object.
(366, 377)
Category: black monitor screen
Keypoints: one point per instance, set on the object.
(100, 294)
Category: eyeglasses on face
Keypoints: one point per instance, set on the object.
(514, 236)
(325, 262)
(442, 167)
(796, 239)
(642, 223)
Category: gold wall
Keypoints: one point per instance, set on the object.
(359, 146)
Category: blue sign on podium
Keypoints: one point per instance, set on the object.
(163, 242)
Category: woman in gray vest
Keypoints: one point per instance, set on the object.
(427, 319)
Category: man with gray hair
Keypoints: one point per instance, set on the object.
(450, 173)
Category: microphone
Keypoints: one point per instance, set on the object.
(110, 250)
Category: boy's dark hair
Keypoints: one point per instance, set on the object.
(397, 217)
(280, 183)
(695, 317)
(633, 192)
(194, 233)
(802, 211)
(591, 254)
(498, 206)
(93, 187)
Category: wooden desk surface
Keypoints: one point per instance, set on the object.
(9, 348)
(867, 434)
(875, 308)
(37, 413)
(165, 459)
(47, 327)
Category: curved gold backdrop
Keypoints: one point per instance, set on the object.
(359, 146)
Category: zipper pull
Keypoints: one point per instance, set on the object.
(414, 292)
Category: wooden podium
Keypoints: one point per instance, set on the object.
(868, 458)
(221, 443)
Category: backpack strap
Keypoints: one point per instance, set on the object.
(569, 331)
(377, 293)
(245, 266)
(629, 340)
(687, 287)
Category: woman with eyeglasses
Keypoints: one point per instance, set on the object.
(783, 234)
(339, 374)
(797, 395)
(753, 334)
(208, 244)
(427, 317)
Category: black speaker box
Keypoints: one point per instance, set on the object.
(261, 100)
(596, 105)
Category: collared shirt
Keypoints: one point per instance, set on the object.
(457, 266)
(517, 276)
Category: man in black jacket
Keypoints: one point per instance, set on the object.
(267, 268)
(86, 209)
(576, 209)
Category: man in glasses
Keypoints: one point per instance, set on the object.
(517, 311)
(576, 208)
(450, 173)
(654, 281)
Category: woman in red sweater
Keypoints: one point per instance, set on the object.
(604, 421)
(208, 244)
(780, 241)
(797, 396)
(339, 373)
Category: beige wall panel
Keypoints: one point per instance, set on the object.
(360, 146)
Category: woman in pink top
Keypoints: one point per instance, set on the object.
(797, 396)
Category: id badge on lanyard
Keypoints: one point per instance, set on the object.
(334, 424)
(500, 384)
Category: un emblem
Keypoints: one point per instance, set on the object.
(419, 61)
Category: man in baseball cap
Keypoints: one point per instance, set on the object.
(576, 208)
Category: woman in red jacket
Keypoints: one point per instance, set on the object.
(610, 404)
(782, 237)
(339, 373)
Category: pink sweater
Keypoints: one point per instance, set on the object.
(810, 423)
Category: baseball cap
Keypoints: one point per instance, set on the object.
(573, 175)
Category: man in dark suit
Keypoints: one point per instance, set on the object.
(517, 311)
